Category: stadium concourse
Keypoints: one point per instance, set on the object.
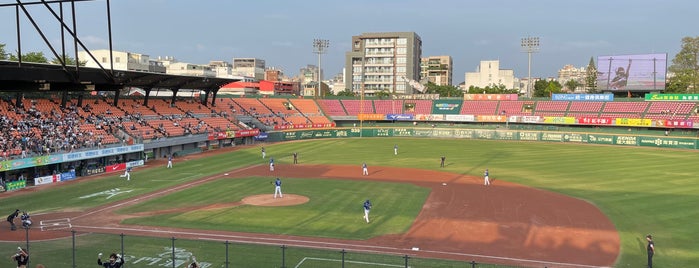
(445, 228)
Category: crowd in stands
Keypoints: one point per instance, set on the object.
(29, 130)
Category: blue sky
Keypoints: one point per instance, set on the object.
(281, 31)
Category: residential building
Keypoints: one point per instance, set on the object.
(249, 67)
(124, 61)
(569, 72)
(382, 62)
(488, 73)
(437, 69)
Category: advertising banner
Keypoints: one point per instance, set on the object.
(559, 120)
(490, 97)
(374, 117)
(446, 106)
(671, 97)
(633, 122)
(47, 179)
(70, 175)
(15, 185)
(399, 117)
(594, 121)
(582, 97)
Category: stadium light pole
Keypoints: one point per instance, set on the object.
(530, 45)
(319, 47)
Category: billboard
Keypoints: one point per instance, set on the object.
(642, 72)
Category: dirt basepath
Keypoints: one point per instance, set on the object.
(463, 220)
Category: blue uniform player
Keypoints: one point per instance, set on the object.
(486, 179)
(278, 188)
(271, 164)
(367, 208)
(169, 161)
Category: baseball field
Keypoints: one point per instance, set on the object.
(550, 204)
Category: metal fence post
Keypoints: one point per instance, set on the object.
(72, 233)
(173, 252)
(343, 257)
(122, 249)
(283, 257)
(227, 243)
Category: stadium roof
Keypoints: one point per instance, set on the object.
(52, 77)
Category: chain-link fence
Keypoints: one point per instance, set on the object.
(82, 249)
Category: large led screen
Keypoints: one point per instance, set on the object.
(643, 72)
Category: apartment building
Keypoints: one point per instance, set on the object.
(437, 69)
(383, 62)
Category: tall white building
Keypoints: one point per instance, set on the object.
(382, 62)
(249, 67)
(125, 61)
(569, 72)
(488, 73)
(437, 69)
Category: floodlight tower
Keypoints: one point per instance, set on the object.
(319, 47)
(530, 45)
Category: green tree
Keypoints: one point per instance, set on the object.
(443, 91)
(37, 57)
(572, 85)
(591, 77)
(382, 94)
(3, 54)
(685, 67)
(68, 60)
(492, 89)
(543, 88)
(347, 92)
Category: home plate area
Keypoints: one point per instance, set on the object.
(56, 224)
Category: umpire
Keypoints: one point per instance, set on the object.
(11, 219)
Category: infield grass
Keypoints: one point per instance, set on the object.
(642, 190)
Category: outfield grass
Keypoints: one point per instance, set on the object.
(642, 190)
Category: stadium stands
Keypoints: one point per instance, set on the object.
(388, 106)
(355, 107)
(514, 108)
(332, 107)
(419, 106)
(479, 107)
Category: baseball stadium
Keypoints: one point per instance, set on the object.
(479, 180)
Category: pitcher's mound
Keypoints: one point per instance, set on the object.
(268, 200)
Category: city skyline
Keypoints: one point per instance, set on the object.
(282, 32)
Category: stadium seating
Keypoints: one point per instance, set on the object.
(332, 107)
(419, 106)
(586, 107)
(388, 106)
(355, 107)
(479, 107)
(513, 108)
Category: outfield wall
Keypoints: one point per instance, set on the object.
(489, 134)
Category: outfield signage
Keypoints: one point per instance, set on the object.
(490, 97)
(633, 122)
(671, 97)
(593, 121)
(446, 106)
(559, 120)
(582, 97)
(491, 134)
(15, 185)
(399, 117)
(67, 157)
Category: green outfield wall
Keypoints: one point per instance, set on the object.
(489, 134)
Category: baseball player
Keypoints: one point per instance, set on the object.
(367, 208)
(278, 188)
(395, 149)
(365, 170)
(442, 163)
(296, 158)
(263, 152)
(650, 248)
(127, 174)
(169, 161)
(115, 261)
(21, 257)
(26, 220)
(486, 179)
(271, 164)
